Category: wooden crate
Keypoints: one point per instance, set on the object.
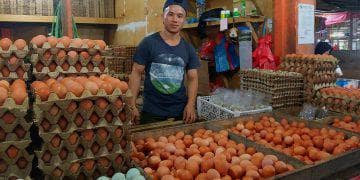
(321, 169)
(330, 120)
(191, 128)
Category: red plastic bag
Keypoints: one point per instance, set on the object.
(207, 50)
(263, 58)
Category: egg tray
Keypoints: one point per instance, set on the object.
(43, 110)
(13, 50)
(48, 169)
(53, 98)
(46, 73)
(55, 158)
(9, 128)
(15, 171)
(310, 61)
(13, 75)
(20, 146)
(320, 169)
(12, 67)
(47, 138)
(36, 58)
(338, 105)
(269, 90)
(306, 68)
(54, 50)
(18, 111)
(71, 126)
(338, 96)
(272, 86)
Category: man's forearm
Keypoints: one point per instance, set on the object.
(134, 85)
(192, 90)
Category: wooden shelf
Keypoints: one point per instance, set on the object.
(50, 19)
(230, 21)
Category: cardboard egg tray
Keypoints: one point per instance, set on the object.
(72, 126)
(63, 138)
(66, 169)
(14, 75)
(14, 51)
(10, 130)
(35, 58)
(53, 98)
(45, 74)
(19, 147)
(284, 88)
(339, 105)
(18, 111)
(15, 171)
(11, 67)
(44, 110)
(54, 50)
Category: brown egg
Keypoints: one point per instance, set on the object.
(20, 44)
(5, 44)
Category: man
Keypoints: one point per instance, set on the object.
(165, 58)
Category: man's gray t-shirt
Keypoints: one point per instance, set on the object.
(165, 69)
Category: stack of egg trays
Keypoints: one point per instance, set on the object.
(20, 55)
(39, 53)
(313, 68)
(285, 88)
(58, 153)
(15, 138)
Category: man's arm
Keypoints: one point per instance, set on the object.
(189, 111)
(134, 85)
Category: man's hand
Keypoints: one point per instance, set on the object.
(189, 115)
(135, 116)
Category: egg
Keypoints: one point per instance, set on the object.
(268, 171)
(132, 173)
(5, 44)
(236, 171)
(162, 171)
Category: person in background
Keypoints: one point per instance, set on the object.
(165, 58)
(325, 48)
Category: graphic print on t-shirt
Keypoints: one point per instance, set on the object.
(167, 73)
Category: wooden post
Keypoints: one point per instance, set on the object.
(67, 19)
(286, 28)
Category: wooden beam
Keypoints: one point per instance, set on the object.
(50, 19)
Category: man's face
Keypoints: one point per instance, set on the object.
(174, 18)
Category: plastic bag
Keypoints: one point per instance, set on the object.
(221, 62)
(263, 58)
(207, 50)
(310, 112)
(240, 100)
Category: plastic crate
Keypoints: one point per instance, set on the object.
(208, 110)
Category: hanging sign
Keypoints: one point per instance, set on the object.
(306, 23)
